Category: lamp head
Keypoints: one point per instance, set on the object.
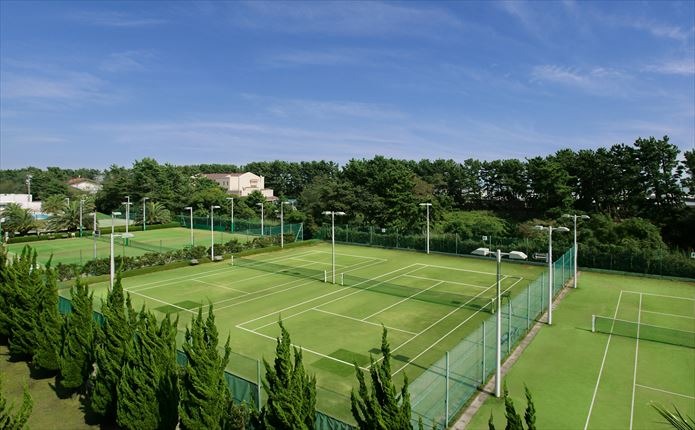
(540, 227)
(214, 207)
(145, 198)
(425, 204)
(188, 208)
(561, 229)
(115, 213)
(340, 213)
(586, 217)
(259, 204)
(2, 219)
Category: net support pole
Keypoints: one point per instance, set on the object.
(325, 277)
(593, 323)
(482, 379)
(342, 279)
(232, 262)
(258, 382)
(446, 389)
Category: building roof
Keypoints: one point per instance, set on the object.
(214, 176)
(78, 180)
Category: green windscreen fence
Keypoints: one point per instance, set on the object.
(641, 331)
(443, 389)
(242, 226)
(476, 302)
(149, 247)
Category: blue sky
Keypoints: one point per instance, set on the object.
(98, 83)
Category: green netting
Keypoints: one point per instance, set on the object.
(119, 241)
(643, 331)
(477, 302)
(469, 365)
(242, 226)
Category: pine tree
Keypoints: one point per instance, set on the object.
(6, 294)
(203, 390)
(10, 421)
(114, 341)
(513, 418)
(48, 323)
(77, 352)
(26, 281)
(381, 407)
(291, 392)
(530, 413)
(168, 383)
(490, 423)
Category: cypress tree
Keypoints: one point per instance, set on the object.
(77, 352)
(381, 407)
(168, 383)
(530, 413)
(513, 418)
(10, 421)
(203, 389)
(48, 323)
(114, 341)
(26, 281)
(291, 392)
(6, 294)
(490, 423)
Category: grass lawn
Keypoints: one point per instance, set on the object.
(585, 380)
(49, 411)
(427, 302)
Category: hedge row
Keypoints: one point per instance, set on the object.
(88, 233)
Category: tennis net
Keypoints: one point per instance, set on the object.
(642, 331)
(119, 241)
(447, 298)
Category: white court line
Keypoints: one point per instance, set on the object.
(441, 338)
(459, 269)
(603, 362)
(359, 320)
(205, 274)
(634, 376)
(329, 294)
(664, 391)
(286, 289)
(448, 282)
(670, 315)
(315, 262)
(352, 365)
(658, 295)
(161, 301)
(401, 301)
(221, 286)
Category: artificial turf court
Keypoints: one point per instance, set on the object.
(586, 380)
(80, 250)
(335, 325)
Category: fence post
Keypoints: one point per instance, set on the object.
(528, 307)
(509, 325)
(542, 288)
(482, 380)
(446, 400)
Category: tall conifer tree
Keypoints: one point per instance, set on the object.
(18, 420)
(26, 280)
(48, 323)
(77, 352)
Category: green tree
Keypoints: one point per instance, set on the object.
(659, 174)
(25, 281)
(155, 212)
(530, 413)
(15, 421)
(17, 220)
(203, 389)
(291, 392)
(77, 352)
(48, 323)
(114, 342)
(689, 167)
(53, 204)
(381, 406)
(675, 418)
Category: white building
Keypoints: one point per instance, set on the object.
(241, 184)
(84, 184)
(23, 200)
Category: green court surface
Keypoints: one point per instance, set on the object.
(427, 302)
(80, 250)
(585, 380)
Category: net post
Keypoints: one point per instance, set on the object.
(342, 279)
(593, 323)
(446, 400)
(232, 262)
(325, 276)
(482, 380)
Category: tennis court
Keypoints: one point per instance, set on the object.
(427, 302)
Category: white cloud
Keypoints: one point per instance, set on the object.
(597, 80)
(324, 109)
(684, 67)
(114, 19)
(127, 61)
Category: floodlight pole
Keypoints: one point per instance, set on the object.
(498, 335)
(282, 223)
(81, 206)
(2, 220)
(212, 231)
(113, 219)
(576, 246)
(261, 205)
(427, 205)
(28, 181)
(550, 266)
(231, 213)
(112, 262)
(190, 208)
(94, 232)
(144, 213)
(333, 214)
(127, 213)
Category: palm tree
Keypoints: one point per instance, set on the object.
(68, 217)
(53, 204)
(17, 219)
(156, 213)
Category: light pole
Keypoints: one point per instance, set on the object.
(144, 213)
(550, 266)
(427, 205)
(2, 220)
(576, 247)
(212, 231)
(231, 213)
(333, 214)
(112, 263)
(113, 219)
(261, 205)
(81, 206)
(28, 181)
(127, 212)
(282, 223)
(94, 232)
(190, 208)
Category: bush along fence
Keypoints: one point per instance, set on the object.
(653, 261)
(242, 226)
(244, 390)
(441, 391)
(101, 266)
